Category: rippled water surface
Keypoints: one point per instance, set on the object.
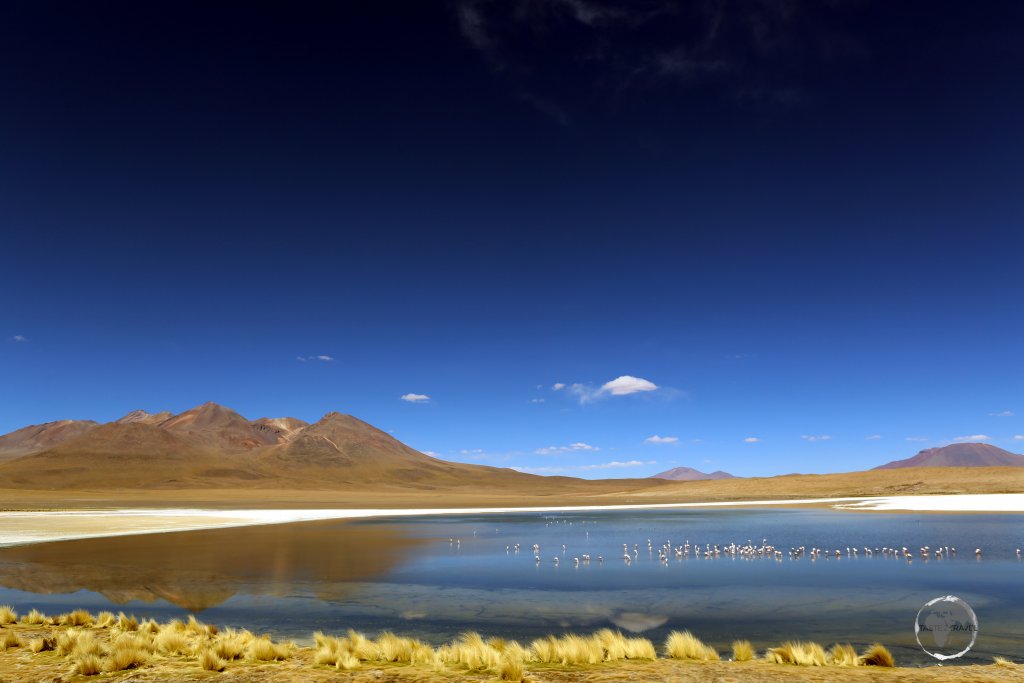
(434, 577)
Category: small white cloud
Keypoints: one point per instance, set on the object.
(557, 386)
(415, 398)
(661, 439)
(432, 454)
(751, 439)
(1005, 413)
(973, 437)
(322, 358)
(536, 400)
(816, 437)
(917, 438)
(626, 385)
(554, 450)
(873, 437)
(1018, 437)
(614, 464)
(471, 451)
(19, 338)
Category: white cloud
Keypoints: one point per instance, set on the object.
(816, 437)
(415, 398)
(19, 338)
(661, 439)
(554, 450)
(1018, 437)
(322, 358)
(1005, 413)
(917, 438)
(751, 439)
(432, 454)
(536, 400)
(558, 386)
(471, 451)
(873, 437)
(973, 437)
(626, 385)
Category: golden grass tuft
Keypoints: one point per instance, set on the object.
(742, 651)
(171, 643)
(126, 623)
(877, 655)
(84, 643)
(231, 644)
(685, 645)
(35, 618)
(105, 620)
(88, 665)
(9, 639)
(38, 645)
(511, 668)
(79, 617)
(125, 653)
(361, 647)
(263, 649)
(346, 662)
(149, 627)
(211, 662)
(1003, 661)
(797, 653)
(198, 628)
(842, 655)
(8, 615)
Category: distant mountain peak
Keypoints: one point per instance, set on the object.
(959, 455)
(690, 474)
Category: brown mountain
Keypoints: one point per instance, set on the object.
(36, 438)
(216, 426)
(284, 428)
(690, 474)
(145, 418)
(959, 455)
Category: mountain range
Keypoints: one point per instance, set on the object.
(690, 474)
(959, 455)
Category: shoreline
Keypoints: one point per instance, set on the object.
(28, 527)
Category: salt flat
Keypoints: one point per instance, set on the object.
(17, 528)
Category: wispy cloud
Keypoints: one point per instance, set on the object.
(873, 437)
(471, 451)
(751, 439)
(816, 437)
(624, 385)
(1005, 413)
(322, 358)
(555, 450)
(973, 437)
(917, 438)
(415, 398)
(614, 464)
(536, 400)
(19, 338)
(661, 439)
(1018, 437)
(558, 386)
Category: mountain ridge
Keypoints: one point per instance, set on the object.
(971, 454)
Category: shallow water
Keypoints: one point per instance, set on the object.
(406, 575)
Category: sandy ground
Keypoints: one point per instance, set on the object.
(19, 527)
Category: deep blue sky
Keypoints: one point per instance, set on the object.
(796, 219)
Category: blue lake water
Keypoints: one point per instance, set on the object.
(434, 577)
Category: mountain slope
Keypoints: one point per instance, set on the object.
(690, 474)
(36, 438)
(214, 425)
(959, 455)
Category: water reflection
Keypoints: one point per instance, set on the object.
(197, 570)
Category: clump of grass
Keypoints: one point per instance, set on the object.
(126, 623)
(471, 652)
(88, 665)
(544, 650)
(105, 620)
(125, 653)
(263, 649)
(9, 639)
(38, 645)
(211, 662)
(1003, 661)
(231, 644)
(171, 643)
(85, 643)
(798, 653)
(35, 618)
(149, 627)
(8, 615)
(842, 655)
(347, 662)
(685, 645)
(198, 628)
(511, 668)
(877, 655)
(361, 647)
(79, 617)
(742, 651)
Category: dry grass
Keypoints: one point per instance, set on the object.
(8, 615)
(798, 653)
(35, 618)
(77, 618)
(105, 620)
(198, 628)
(9, 639)
(263, 649)
(685, 645)
(125, 653)
(88, 665)
(231, 644)
(211, 662)
(511, 669)
(842, 655)
(1003, 661)
(126, 623)
(38, 645)
(471, 652)
(742, 651)
(172, 643)
(877, 655)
